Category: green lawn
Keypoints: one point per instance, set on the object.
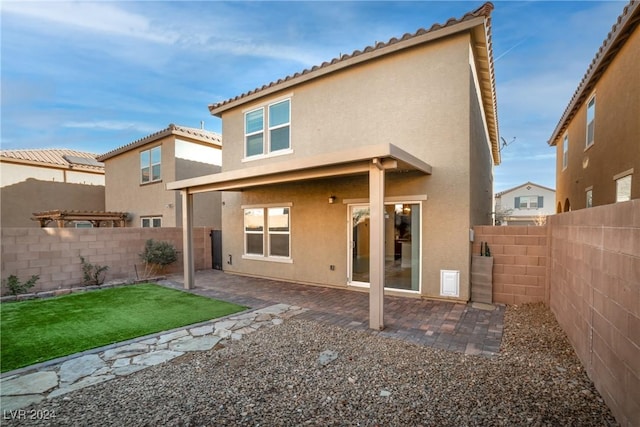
(37, 330)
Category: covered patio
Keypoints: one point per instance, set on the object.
(458, 327)
(372, 161)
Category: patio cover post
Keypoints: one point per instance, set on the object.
(376, 249)
(187, 239)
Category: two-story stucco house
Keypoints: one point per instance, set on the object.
(526, 204)
(42, 180)
(366, 172)
(136, 174)
(597, 139)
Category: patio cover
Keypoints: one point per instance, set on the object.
(371, 160)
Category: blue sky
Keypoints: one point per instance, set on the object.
(93, 76)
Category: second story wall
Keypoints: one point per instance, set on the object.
(615, 151)
(26, 189)
(416, 98)
(125, 191)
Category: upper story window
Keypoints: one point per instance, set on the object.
(589, 197)
(565, 151)
(591, 120)
(529, 202)
(270, 134)
(150, 165)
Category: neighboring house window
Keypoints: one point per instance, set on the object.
(150, 165)
(565, 152)
(276, 137)
(151, 222)
(623, 189)
(276, 242)
(83, 224)
(591, 119)
(529, 202)
(589, 197)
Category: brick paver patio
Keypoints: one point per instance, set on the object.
(459, 327)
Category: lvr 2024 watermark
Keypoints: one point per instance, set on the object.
(28, 414)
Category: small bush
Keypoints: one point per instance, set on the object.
(16, 287)
(93, 274)
(157, 255)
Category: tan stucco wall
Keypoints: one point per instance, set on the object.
(13, 173)
(417, 99)
(125, 193)
(20, 200)
(480, 160)
(617, 135)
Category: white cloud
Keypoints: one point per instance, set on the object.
(109, 125)
(93, 17)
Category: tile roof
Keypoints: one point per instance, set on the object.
(485, 65)
(63, 158)
(482, 12)
(201, 135)
(620, 32)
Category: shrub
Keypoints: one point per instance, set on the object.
(16, 287)
(157, 255)
(93, 274)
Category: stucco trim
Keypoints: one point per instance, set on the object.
(623, 174)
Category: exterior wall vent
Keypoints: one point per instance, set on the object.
(449, 283)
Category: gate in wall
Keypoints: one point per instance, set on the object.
(216, 249)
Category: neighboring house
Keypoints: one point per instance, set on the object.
(369, 169)
(136, 175)
(49, 179)
(598, 137)
(526, 204)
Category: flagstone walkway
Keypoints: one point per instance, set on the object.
(33, 384)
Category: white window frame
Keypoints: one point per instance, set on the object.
(591, 110)
(565, 151)
(151, 220)
(626, 175)
(529, 198)
(266, 130)
(279, 126)
(254, 133)
(151, 165)
(267, 233)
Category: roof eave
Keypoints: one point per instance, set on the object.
(355, 59)
(171, 130)
(621, 31)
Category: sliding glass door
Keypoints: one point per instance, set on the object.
(402, 246)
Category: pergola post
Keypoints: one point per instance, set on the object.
(376, 250)
(187, 239)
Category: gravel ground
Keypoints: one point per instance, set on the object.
(273, 378)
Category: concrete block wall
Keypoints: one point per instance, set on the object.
(54, 253)
(594, 276)
(519, 262)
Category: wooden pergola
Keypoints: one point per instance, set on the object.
(62, 217)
